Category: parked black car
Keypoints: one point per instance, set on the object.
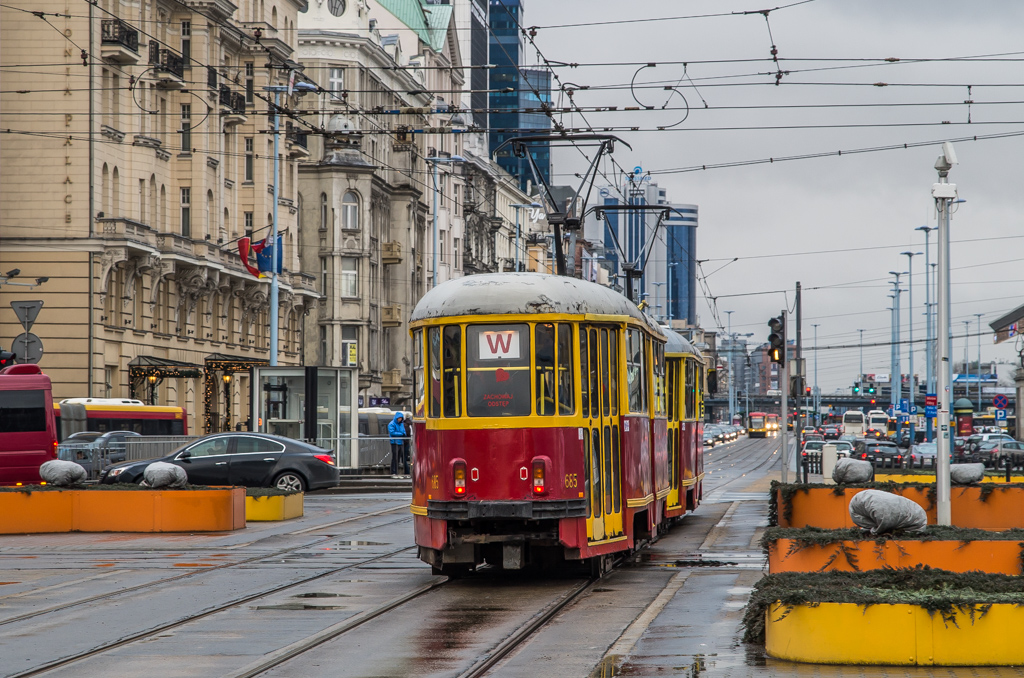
(249, 459)
(881, 453)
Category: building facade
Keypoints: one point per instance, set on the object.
(142, 156)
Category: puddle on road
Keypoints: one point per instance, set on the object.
(323, 594)
(451, 630)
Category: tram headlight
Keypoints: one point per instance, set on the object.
(540, 469)
(459, 476)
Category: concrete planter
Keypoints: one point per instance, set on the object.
(904, 635)
(992, 556)
(280, 507)
(38, 511)
(1000, 507)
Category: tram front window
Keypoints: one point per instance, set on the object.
(498, 370)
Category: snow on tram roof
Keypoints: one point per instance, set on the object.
(677, 343)
(512, 293)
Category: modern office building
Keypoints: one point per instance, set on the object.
(529, 88)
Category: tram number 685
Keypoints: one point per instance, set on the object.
(571, 480)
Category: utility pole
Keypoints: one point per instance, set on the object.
(816, 399)
(911, 387)
(967, 365)
(781, 323)
(732, 373)
(929, 353)
(978, 316)
(798, 425)
(860, 375)
(944, 193)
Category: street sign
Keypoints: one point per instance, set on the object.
(28, 347)
(889, 410)
(931, 411)
(904, 405)
(27, 312)
(1000, 402)
(913, 409)
(1000, 415)
(931, 400)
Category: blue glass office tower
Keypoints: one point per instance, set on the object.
(529, 88)
(681, 251)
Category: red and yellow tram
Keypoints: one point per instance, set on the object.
(553, 421)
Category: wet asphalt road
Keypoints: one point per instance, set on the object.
(341, 593)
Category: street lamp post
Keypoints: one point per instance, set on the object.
(912, 395)
(657, 289)
(517, 207)
(929, 351)
(978, 316)
(816, 400)
(944, 193)
(732, 371)
(967, 365)
(860, 375)
(434, 160)
(897, 377)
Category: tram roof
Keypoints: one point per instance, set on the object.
(523, 293)
(677, 343)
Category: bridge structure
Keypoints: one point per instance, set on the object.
(841, 403)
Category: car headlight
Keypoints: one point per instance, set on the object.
(114, 472)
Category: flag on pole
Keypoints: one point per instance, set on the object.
(266, 254)
(244, 248)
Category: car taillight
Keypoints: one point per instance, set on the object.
(459, 476)
(325, 458)
(54, 448)
(539, 471)
(863, 455)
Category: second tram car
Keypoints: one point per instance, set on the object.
(553, 421)
(757, 425)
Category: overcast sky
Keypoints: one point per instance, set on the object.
(834, 203)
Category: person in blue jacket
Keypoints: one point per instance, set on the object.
(396, 430)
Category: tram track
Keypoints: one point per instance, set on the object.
(161, 628)
(207, 570)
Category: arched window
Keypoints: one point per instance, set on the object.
(115, 194)
(350, 212)
(298, 216)
(105, 191)
(323, 211)
(225, 226)
(162, 214)
(273, 17)
(209, 215)
(152, 202)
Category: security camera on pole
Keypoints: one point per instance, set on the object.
(777, 353)
(944, 194)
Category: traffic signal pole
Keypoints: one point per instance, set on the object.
(784, 434)
(798, 425)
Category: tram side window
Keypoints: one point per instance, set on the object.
(452, 355)
(498, 370)
(595, 398)
(566, 388)
(544, 386)
(613, 375)
(673, 389)
(691, 390)
(605, 386)
(609, 480)
(434, 367)
(584, 372)
(635, 372)
(658, 354)
(616, 466)
(417, 371)
(595, 470)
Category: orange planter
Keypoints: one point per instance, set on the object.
(214, 510)
(994, 556)
(1003, 509)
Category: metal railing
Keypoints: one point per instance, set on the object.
(153, 447)
(114, 32)
(211, 77)
(166, 60)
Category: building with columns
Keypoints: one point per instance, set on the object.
(138, 155)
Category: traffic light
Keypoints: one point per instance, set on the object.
(807, 391)
(856, 389)
(777, 339)
(6, 359)
(871, 390)
(872, 401)
(796, 386)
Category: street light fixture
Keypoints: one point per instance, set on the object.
(434, 160)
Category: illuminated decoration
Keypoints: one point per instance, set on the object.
(226, 365)
(150, 371)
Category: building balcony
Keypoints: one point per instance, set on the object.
(232, 106)
(391, 315)
(119, 42)
(391, 252)
(172, 243)
(134, 234)
(391, 381)
(297, 143)
(211, 78)
(169, 66)
(268, 37)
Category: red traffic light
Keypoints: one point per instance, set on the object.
(872, 401)
(807, 390)
(6, 359)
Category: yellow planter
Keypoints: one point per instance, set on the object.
(210, 510)
(906, 635)
(281, 507)
(930, 478)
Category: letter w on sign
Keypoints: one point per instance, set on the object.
(503, 345)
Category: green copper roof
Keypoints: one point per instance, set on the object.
(430, 23)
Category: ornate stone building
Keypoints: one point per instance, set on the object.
(139, 155)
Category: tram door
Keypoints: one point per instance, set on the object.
(599, 359)
(675, 431)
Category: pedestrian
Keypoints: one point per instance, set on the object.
(407, 445)
(397, 432)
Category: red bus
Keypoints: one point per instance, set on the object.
(28, 432)
(118, 414)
